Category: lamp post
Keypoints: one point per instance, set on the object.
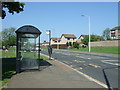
(89, 30)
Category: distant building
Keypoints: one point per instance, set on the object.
(115, 33)
(44, 44)
(55, 41)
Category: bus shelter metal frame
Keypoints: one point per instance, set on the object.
(27, 29)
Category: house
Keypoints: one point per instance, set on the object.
(67, 38)
(115, 33)
(61, 42)
(80, 38)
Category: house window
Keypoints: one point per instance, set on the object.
(73, 38)
(68, 38)
(55, 41)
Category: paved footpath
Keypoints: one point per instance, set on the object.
(57, 75)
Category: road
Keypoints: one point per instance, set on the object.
(90, 64)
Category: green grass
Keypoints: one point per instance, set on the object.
(109, 50)
(44, 58)
(8, 69)
(9, 66)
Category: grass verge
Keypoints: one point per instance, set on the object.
(9, 64)
(109, 50)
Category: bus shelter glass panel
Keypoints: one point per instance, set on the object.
(27, 52)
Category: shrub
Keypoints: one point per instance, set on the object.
(76, 45)
(67, 44)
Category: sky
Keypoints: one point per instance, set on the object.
(65, 17)
(69, 0)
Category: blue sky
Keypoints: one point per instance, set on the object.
(65, 17)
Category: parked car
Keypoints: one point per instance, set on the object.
(83, 45)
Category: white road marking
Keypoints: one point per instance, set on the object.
(78, 61)
(89, 58)
(93, 65)
(81, 57)
(81, 68)
(111, 62)
(83, 74)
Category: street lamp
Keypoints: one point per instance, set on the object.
(89, 29)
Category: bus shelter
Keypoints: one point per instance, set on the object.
(27, 54)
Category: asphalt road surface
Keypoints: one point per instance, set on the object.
(99, 67)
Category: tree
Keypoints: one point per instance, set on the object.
(85, 40)
(67, 44)
(70, 44)
(92, 38)
(12, 8)
(106, 34)
(8, 37)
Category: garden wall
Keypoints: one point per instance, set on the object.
(107, 43)
(61, 46)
